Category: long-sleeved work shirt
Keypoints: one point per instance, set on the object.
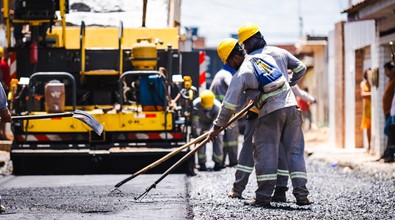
(244, 80)
(221, 82)
(3, 98)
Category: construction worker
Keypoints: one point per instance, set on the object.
(206, 109)
(5, 115)
(292, 141)
(246, 160)
(219, 86)
(4, 68)
(5, 81)
(279, 121)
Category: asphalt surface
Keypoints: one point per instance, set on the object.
(343, 184)
(89, 197)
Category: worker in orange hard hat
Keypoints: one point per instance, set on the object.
(205, 109)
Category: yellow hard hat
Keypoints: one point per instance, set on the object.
(207, 99)
(225, 47)
(1, 52)
(246, 31)
(187, 82)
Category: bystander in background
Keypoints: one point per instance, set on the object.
(304, 106)
(389, 70)
(367, 105)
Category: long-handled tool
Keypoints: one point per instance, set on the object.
(78, 114)
(193, 151)
(161, 160)
(171, 154)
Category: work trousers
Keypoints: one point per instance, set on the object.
(246, 161)
(217, 150)
(281, 127)
(231, 138)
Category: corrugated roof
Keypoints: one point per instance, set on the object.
(359, 5)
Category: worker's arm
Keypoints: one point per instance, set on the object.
(239, 83)
(4, 113)
(303, 94)
(297, 67)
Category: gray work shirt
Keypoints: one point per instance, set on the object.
(244, 80)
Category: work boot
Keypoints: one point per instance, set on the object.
(388, 159)
(279, 194)
(259, 203)
(232, 164)
(234, 195)
(302, 200)
(202, 167)
(217, 167)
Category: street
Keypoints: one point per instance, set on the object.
(339, 190)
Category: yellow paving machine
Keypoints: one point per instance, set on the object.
(120, 76)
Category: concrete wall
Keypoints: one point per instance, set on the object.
(357, 35)
(331, 87)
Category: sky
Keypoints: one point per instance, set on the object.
(217, 19)
(277, 19)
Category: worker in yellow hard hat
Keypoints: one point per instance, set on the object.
(254, 43)
(278, 122)
(246, 161)
(219, 85)
(206, 108)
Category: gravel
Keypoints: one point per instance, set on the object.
(337, 192)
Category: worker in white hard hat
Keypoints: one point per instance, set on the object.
(206, 109)
(279, 121)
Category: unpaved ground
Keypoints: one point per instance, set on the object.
(343, 185)
(337, 193)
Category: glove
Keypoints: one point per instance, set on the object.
(251, 115)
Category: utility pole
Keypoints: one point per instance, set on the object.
(300, 19)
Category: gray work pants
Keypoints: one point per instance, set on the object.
(246, 161)
(217, 150)
(231, 139)
(282, 126)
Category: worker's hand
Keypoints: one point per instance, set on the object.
(251, 115)
(5, 115)
(213, 133)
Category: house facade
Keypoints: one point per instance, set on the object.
(355, 45)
